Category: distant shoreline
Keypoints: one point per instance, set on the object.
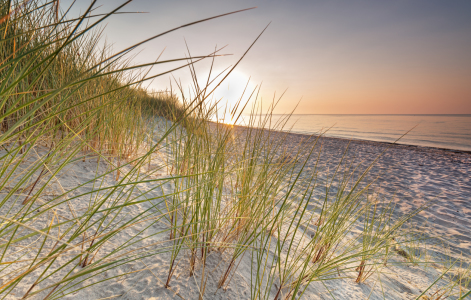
(409, 146)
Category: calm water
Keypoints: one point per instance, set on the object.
(443, 131)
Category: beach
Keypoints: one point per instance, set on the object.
(412, 176)
(132, 171)
(407, 175)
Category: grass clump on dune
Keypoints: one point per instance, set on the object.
(72, 110)
(64, 100)
(57, 82)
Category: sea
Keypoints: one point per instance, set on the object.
(440, 131)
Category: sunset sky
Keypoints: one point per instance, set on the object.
(340, 57)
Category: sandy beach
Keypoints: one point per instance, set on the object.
(410, 176)
(126, 173)
(413, 175)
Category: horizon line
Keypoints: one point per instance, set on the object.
(365, 114)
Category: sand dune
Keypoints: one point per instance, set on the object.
(410, 176)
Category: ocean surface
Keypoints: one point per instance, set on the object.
(442, 131)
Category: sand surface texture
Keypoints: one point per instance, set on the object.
(410, 176)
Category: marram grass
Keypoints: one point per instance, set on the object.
(66, 102)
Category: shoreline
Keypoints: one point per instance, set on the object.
(418, 147)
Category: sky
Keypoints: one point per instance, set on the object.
(327, 57)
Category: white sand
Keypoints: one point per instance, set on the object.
(413, 174)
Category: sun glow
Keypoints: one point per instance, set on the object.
(232, 95)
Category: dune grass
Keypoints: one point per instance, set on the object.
(237, 192)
